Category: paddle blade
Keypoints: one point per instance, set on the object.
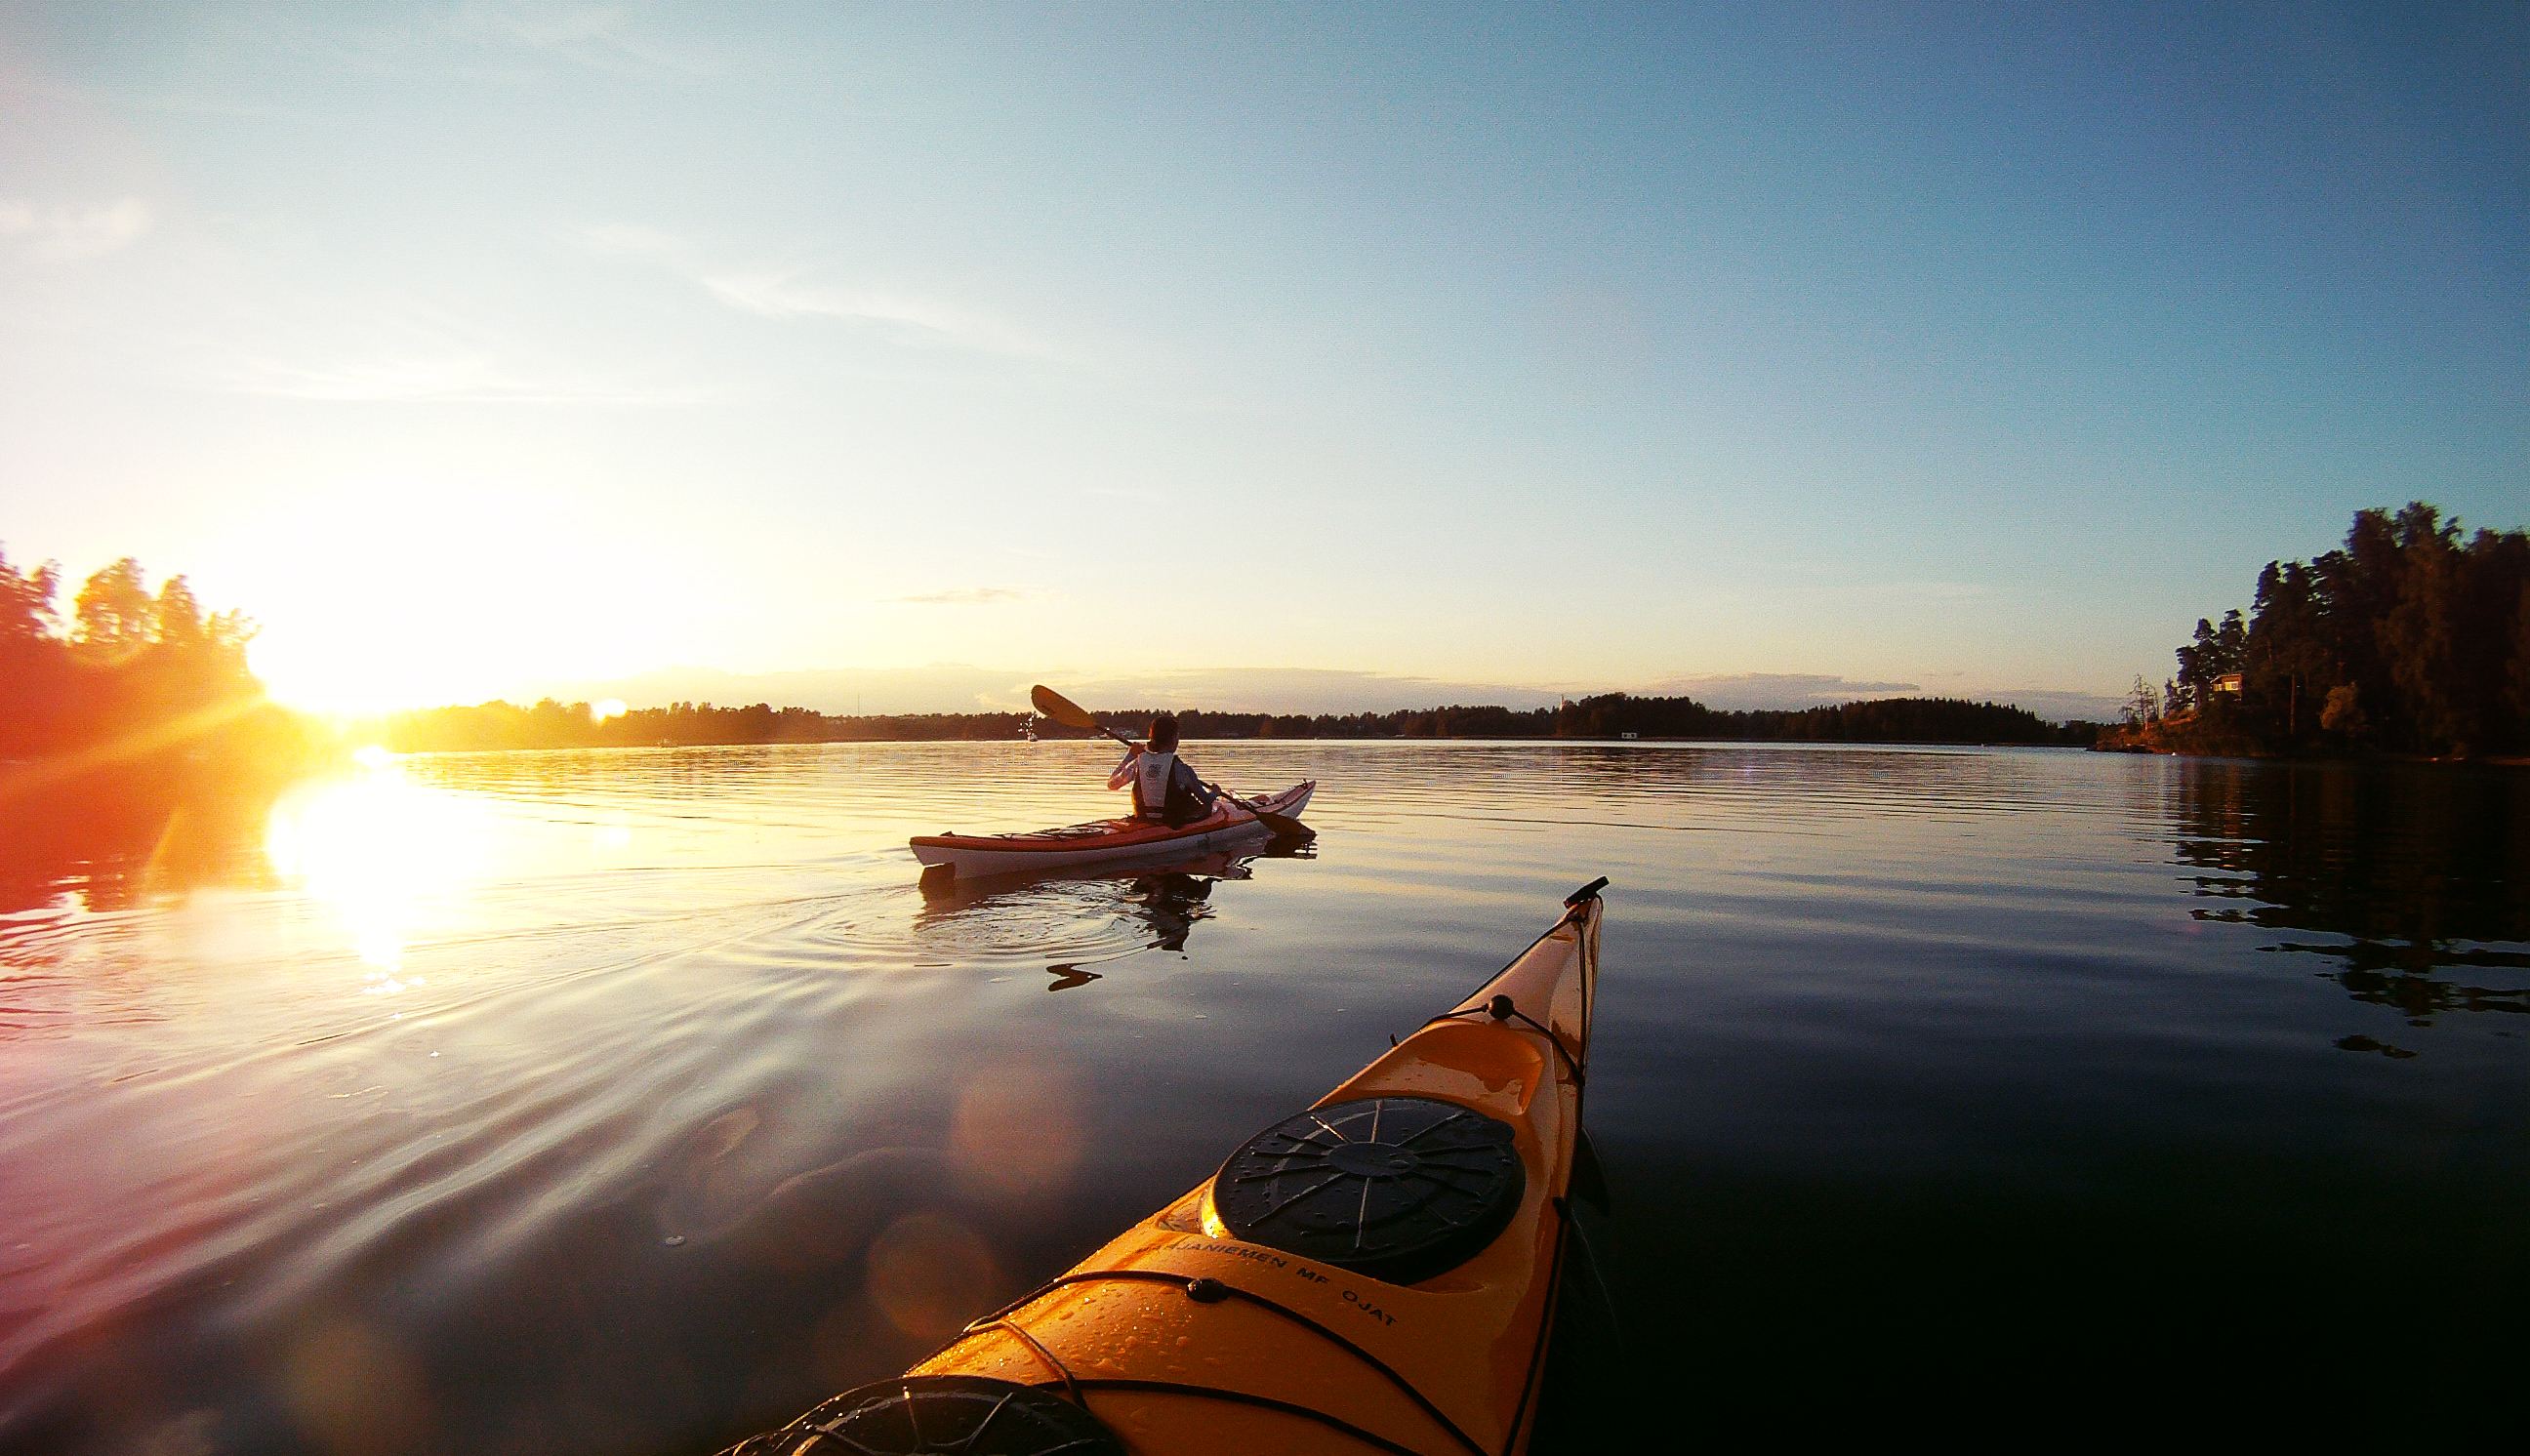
(1061, 709)
(1280, 826)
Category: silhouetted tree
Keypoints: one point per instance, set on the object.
(114, 613)
(2143, 704)
(177, 618)
(2286, 663)
(2405, 638)
(132, 662)
(26, 600)
(2519, 674)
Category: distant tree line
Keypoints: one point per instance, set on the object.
(139, 678)
(2409, 639)
(550, 723)
(1615, 715)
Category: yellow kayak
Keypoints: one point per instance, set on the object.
(1376, 1274)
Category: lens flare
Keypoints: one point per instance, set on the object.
(929, 1274)
(1017, 1133)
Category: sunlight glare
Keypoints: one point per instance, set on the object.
(361, 611)
(377, 850)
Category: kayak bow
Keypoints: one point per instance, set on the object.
(1375, 1274)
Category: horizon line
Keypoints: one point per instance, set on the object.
(615, 708)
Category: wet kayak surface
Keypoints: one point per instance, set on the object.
(635, 1101)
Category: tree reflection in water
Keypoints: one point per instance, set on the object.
(1125, 910)
(119, 837)
(2423, 869)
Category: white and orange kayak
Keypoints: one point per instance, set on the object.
(1376, 1274)
(1102, 841)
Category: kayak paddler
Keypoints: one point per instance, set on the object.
(1165, 789)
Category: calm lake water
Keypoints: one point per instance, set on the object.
(630, 1101)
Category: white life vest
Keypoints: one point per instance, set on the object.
(1151, 779)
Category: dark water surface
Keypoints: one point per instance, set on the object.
(630, 1102)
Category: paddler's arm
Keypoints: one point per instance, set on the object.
(1123, 774)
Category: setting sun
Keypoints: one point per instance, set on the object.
(398, 596)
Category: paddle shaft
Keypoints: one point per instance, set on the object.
(1063, 710)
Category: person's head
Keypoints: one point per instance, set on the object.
(1164, 732)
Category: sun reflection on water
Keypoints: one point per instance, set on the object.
(381, 853)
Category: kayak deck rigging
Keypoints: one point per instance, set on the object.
(1396, 1297)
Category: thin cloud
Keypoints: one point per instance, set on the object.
(965, 689)
(1297, 690)
(1936, 591)
(64, 234)
(401, 352)
(788, 294)
(426, 380)
(1796, 691)
(1775, 689)
(172, 103)
(2061, 704)
(602, 37)
(631, 239)
(507, 42)
(915, 320)
(962, 596)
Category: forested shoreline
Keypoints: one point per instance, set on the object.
(133, 739)
(146, 686)
(555, 725)
(129, 676)
(2407, 640)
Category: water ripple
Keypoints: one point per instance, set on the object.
(504, 1075)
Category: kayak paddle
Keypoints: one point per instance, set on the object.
(1070, 714)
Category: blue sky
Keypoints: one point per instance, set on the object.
(1766, 352)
